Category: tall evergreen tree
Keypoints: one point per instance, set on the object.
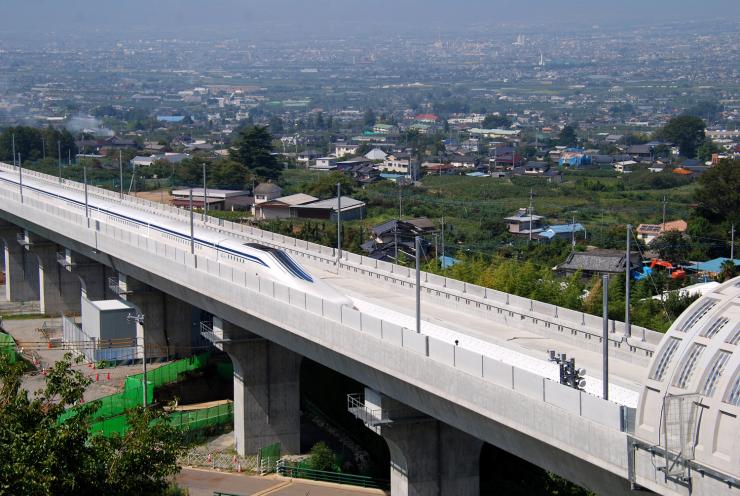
(253, 149)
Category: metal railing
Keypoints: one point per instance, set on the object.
(297, 472)
(115, 287)
(370, 416)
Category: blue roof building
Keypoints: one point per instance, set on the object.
(574, 157)
(564, 231)
(712, 266)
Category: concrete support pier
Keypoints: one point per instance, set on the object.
(59, 289)
(21, 268)
(428, 457)
(167, 321)
(266, 390)
(92, 275)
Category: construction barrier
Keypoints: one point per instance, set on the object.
(132, 395)
(7, 347)
(190, 420)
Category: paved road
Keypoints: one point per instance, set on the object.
(206, 482)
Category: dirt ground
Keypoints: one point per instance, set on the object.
(161, 195)
(35, 346)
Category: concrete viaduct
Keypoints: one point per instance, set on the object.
(477, 373)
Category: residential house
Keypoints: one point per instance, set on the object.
(351, 209)
(280, 208)
(598, 262)
(353, 162)
(397, 162)
(393, 239)
(562, 231)
(641, 153)
(522, 223)
(307, 156)
(344, 149)
(574, 157)
(265, 192)
(465, 161)
(376, 154)
(325, 164)
(218, 199)
(650, 232)
(504, 158)
(625, 166)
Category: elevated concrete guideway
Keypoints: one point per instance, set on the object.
(476, 387)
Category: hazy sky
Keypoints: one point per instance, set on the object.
(317, 16)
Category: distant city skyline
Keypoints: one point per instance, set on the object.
(337, 17)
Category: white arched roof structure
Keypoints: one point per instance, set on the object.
(699, 356)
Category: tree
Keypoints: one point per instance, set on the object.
(728, 270)
(321, 457)
(672, 246)
(369, 118)
(254, 151)
(326, 185)
(568, 136)
(43, 456)
(706, 149)
(685, 131)
(718, 193)
(492, 121)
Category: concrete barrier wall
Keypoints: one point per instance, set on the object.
(415, 342)
(564, 397)
(529, 384)
(469, 361)
(498, 372)
(442, 352)
(392, 333)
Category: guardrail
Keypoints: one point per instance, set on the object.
(123, 244)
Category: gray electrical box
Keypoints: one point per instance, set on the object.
(106, 319)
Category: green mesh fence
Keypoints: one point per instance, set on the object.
(7, 347)
(116, 404)
(170, 372)
(190, 420)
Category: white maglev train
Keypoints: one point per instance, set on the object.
(263, 261)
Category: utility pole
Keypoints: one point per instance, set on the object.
(732, 242)
(13, 149)
(192, 224)
(120, 171)
(20, 175)
(69, 156)
(530, 216)
(436, 252)
(418, 283)
(43, 148)
(573, 233)
(443, 243)
(627, 281)
(605, 336)
(663, 226)
(400, 205)
(84, 180)
(205, 195)
(59, 159)
(139, 319)
(339, 223)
